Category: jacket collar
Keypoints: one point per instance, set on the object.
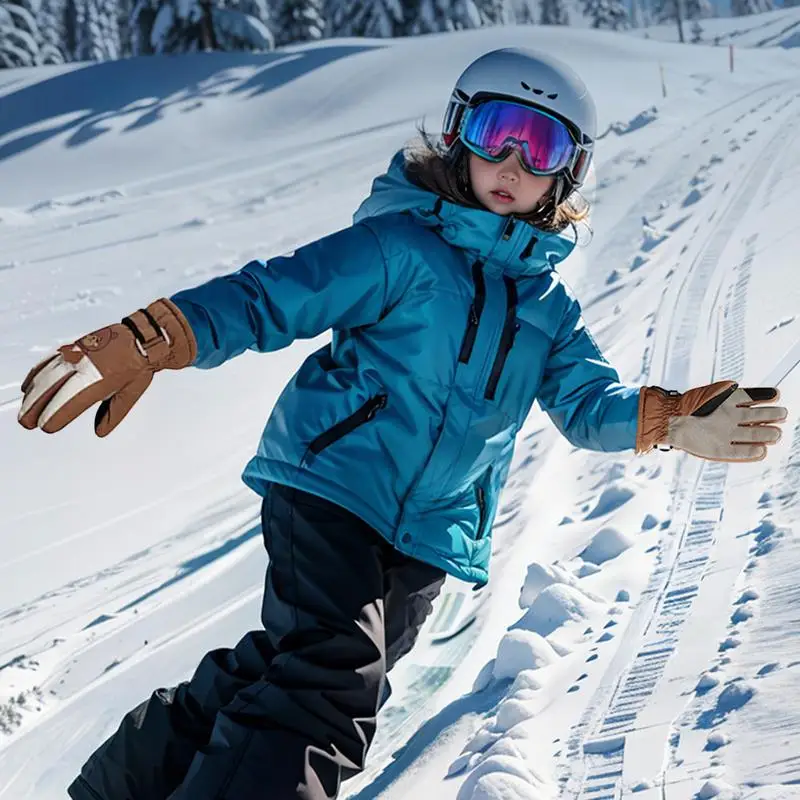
(506, 243)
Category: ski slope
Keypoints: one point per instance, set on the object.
(640, 636)
(778, 28)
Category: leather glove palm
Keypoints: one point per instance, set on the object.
(719, 422)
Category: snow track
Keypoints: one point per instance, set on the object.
(595, 765)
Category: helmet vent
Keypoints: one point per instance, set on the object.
(537, 91)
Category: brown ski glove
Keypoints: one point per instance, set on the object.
(718, 422)
(113, 365)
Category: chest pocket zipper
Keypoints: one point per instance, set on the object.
(341, 429)
(475, 311)
(510, 329)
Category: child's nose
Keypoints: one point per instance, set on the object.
(509, 167)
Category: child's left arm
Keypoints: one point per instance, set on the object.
(582, 394)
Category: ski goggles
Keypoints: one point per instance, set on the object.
(545, 145)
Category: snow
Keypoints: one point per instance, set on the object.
(639, 631)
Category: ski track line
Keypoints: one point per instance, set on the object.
(194, 178)
(598, 740)
(629, 228)
(782, 593)
(10, 405)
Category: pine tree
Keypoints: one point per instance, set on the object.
(522, 12)
(180, 26)
(51, 27)
(610, 14)
(124, 14)
(494, 12)
(241, 25)
(95, 36)
(435, 16)
(298, 21)
(664, 11)
(743, 8)
(553, 12)
(370, 18)
(22, 42)
(697, 9)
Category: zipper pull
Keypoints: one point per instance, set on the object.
(378, 403)
(473, 315)
(509, 229)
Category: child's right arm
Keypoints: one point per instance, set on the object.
(338, 281)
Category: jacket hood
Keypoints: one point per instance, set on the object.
(505, 242)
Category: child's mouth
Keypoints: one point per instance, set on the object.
(502, 197)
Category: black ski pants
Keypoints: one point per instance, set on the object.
(290, 711)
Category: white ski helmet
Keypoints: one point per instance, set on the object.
(533, 78)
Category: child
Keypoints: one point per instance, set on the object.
(382, 462)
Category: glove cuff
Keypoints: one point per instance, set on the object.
(163, 335)
(656, 406)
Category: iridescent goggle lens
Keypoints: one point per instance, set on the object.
(545, 144)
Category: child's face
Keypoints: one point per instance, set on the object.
(489, 182)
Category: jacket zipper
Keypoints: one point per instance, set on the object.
(510, 328)
(340, 429)
(480, 496)
(475, 311)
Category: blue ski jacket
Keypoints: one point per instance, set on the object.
(447, 324)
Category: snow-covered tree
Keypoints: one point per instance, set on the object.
(22, 43)
(242, 25)
(298, 21)
(179, 26)
(435, 16)
(611, 14)
(553, 12)
(523, 12)
(371, 18)
(697, 9)
(743, 8)
(124, 23)
(93, 30)
(494, 12)
(663, 11)
(50, 20)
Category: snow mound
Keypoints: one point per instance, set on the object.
(717, 789)
(611, 498)
(501, 784)
(539, 577)
(522, 650)
(606, 544)
(513, 711)
(554, 606)
(505, 776)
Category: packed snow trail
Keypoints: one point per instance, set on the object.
(125, 560)
(622, 709)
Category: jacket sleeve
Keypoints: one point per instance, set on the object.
(338, 281)
(581, 391)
